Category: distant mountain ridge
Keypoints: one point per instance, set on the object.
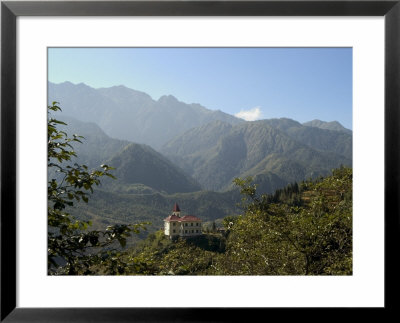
(132, 115)
(275, 152)
(207, 148)
(140, 164)
(333, 125)
(138, 168)
(96, 146)
(318, 137)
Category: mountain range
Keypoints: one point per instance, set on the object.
(276, 152)
(138, 167)
(131, 115)
(167, 151)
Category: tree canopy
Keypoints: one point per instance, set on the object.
(72, 249)
(304, 230)
(308, 235)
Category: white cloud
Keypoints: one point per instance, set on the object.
(250, 115)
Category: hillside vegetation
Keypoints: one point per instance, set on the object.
(303, 229)
(106, 208)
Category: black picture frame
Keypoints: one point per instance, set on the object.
(10, 10)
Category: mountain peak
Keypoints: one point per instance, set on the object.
(70, 84)
(332, 125)
(140, 164)
(65, 83)
(122, 87)
(167, 99)
(129, 114)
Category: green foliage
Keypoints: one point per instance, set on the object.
(273, 236)
(282, 239)
(229, 221)
(158, 255)
(73, 250)
(186, 259)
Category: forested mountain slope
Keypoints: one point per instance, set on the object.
(276, 151)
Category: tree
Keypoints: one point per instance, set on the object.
(72, 249)
(229, 221)
(285, 239)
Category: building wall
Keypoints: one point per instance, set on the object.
(184, 229)
(190, 228)
(166, 228)
(171, 228)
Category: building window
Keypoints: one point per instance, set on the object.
(191, 224)
(173, 231)
(197, 231)
(185, 231)
(173, 224)
(197, 224)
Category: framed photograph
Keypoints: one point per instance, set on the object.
(263, 75)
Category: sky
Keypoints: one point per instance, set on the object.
(252, 83)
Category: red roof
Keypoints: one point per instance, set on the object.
(190, 218)
(176, 208)
(172, 218)
(186, 218)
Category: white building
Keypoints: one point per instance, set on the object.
(183, 226)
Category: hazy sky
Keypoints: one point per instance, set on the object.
(252, 83)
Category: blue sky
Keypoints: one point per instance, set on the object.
(252, 83)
